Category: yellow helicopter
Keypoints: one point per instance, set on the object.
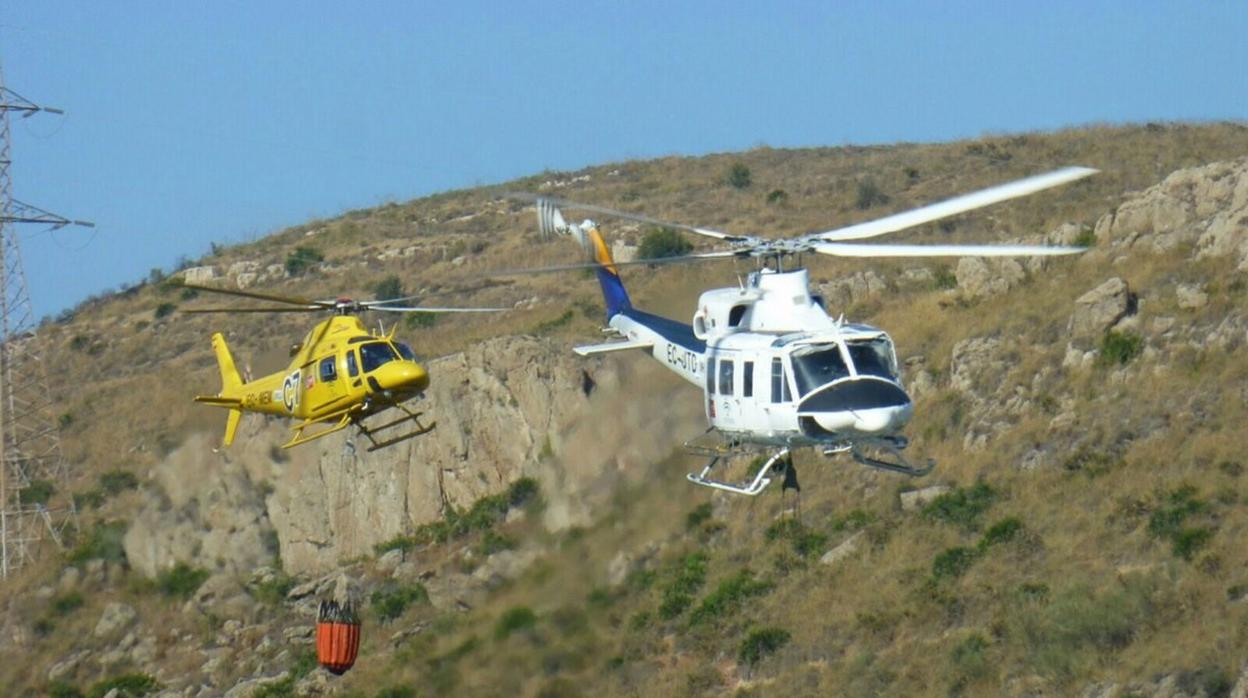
(339, 375)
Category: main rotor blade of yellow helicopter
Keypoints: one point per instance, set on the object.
(280, 309)
(393, 309)
(293, 300)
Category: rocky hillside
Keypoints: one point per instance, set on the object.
(1080, 536)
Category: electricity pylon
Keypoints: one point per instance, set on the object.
(34, 502)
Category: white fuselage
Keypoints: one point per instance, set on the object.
(774, 368)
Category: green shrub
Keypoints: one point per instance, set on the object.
(390, 601)
(1189, 541)
(301, 259)
(659, 243)
(37, 492)
(1209, 681)
(760, 643)
(492, 542)
(698, 516)
(60, 689)
(103, 542)
(181, 580)
(388, 288)
(1167, 522)
(127, 685)
(870, 195)
(805, 541)
(164, 310)
(273, 591)
(953, 562)
(1118, 348)
(1062, 636)
(417, 321)
(1002, 531)
(728, 597)
(853, 520)
(738, 176)
(944, 278)
(969, 658)
(89, 499)
(689, 577)
(522, 492)
(116, 481)
(513, 620)
(485, 513)
(962, 506)
(404, 543)
(67, 603)
(563, 320)
(1086, 238)
(397, 692)
(777, 196)
(1167, 519)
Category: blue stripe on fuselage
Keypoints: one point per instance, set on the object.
(672, 331)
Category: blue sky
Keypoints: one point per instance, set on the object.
(191, 123)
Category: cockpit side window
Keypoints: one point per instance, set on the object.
(405, 351)
(873, 358)
(375, 354)
(818, 366)
(710, 375)
(353, 368)
(779, 382)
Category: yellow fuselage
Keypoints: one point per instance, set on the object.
(339, 370)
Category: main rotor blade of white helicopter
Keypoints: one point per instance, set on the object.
(956, 205)
(707, 232)
(849, 249)
(392, 309)
(684, 259)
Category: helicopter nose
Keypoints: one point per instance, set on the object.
(863, 405)
(404, 376)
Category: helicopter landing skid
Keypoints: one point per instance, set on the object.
(410, 416)
(897, 464)
(779, 463)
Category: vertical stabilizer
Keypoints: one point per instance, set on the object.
(551, 222)
(230, 379)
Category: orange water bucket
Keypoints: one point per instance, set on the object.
(337, 636)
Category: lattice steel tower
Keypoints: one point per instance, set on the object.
(34, 501)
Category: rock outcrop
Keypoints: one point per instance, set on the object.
(506, 408)
(1206, 206)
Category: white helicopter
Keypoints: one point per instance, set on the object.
(777, 371)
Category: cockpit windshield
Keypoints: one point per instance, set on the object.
(817, 366)
(405, 351)
(375, 354)
(873, 357)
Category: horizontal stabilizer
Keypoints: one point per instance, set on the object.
(591, 349)
(219, 401)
